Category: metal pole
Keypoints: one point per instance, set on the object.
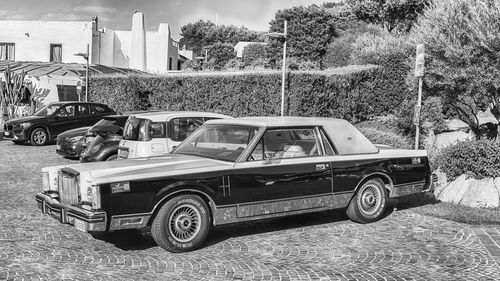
(283, 74)
(87, 76)
(419, 104)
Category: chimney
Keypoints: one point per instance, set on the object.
(138, 44)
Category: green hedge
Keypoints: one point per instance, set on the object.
(385, 137)
(355, 93)
(476, 158)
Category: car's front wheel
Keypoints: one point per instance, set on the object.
(39, 136)
(182, 224)
(369, 203)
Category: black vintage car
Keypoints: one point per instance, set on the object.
(53, 119)
(102, 143)
(236, 170)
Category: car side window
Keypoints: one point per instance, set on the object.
(287, 143)
(157, 130)
(83, 109)
(98, 109)
(184, 126)
(66, 111)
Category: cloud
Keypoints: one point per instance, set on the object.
(96, 10)
(64, 16)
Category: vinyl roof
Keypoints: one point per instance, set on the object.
(277, 121)
(345, 137)
(157, 116)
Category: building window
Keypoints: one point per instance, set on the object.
(7, 51)
(55, 52)
(169, 63)
(67, 93)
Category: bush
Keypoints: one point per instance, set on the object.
(355, 93)
(477, 158)
(384, 130)
(431, 116)
(120, 92)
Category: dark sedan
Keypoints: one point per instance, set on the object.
(47, 123)
(102, 143)
(70, 143)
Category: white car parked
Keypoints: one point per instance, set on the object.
(156, 133)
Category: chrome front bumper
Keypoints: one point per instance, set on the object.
(85, 220)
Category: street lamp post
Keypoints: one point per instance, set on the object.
(86, 57)
(282, 35)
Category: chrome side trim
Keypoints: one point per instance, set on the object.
(408, 188)
(279, 208)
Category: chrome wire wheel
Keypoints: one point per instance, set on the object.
(370, 199)
(184, 223)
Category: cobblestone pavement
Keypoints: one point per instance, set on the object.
(322, 246)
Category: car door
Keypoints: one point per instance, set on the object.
(84, 117)
(97, 111)
(287, 171)
(64, 119)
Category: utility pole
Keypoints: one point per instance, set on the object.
(419, 73)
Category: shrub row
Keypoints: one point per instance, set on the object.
(476, 158)
(385, 137)
(355, 93)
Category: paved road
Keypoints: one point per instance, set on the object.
(323, 246)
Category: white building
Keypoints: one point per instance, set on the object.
(59, 41)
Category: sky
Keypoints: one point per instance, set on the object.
(117, 14)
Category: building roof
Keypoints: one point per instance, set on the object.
(37, 69)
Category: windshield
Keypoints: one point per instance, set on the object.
(137, 129)
(223, 142)
(47, 110)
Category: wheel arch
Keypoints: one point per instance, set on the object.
(184, 190)
(386, 179)
(43, 126)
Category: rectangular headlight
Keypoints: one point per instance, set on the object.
(118, 187)
(45, 181)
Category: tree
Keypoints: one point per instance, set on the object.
(219, 54)
(462, 40)
(310, 30)
(254, 52)
(196, 36)
(11, 92)
(391, 14)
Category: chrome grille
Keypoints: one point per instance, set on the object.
(68, 187)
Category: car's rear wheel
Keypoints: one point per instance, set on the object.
(369, 203)
(182, 224)
(112, 157)
(39, 136)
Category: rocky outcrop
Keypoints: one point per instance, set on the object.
(483, 193)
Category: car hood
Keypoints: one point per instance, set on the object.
(74, 132)
(25, 119)
(148, 168)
